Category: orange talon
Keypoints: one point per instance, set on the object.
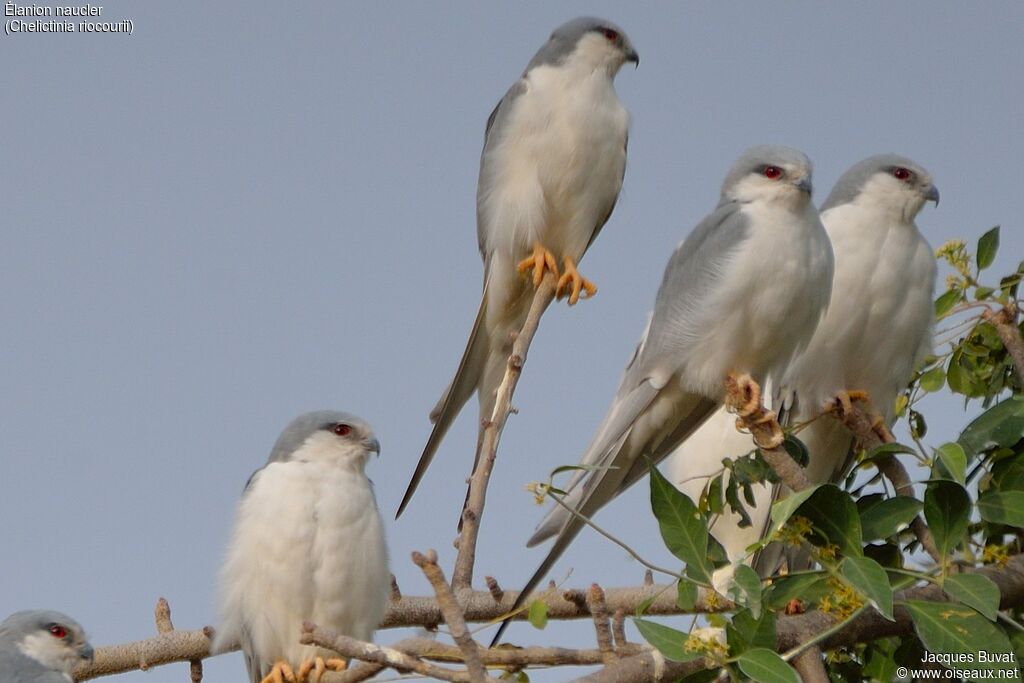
(743, 397)
(317, 666)
(845, 401)
(577, 281)
(279, 673)
(540, 259)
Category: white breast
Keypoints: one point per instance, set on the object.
(308, 545)
(880, 319)
(557, 166)
(773, 293)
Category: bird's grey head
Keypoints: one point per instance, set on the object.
(769, 173)
(589, 43)
(887, 181)
(328, 436)
(53, 639)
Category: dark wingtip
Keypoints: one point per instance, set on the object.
(500, 633)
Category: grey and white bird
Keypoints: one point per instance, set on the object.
(550, 173)
(740, 296)
(308, 545)
(877, 329)
(41, 646)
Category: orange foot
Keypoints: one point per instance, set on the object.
(743, 397)
(279, 673)
(845, 399)
(540, 259)
(318, 666)
(571, 283)
(795, 606)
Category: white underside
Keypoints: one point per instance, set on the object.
(308, 545)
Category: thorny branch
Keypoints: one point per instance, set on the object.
(462, 576)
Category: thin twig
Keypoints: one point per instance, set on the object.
(368, 652)
(452, 614)
(462, 576)
(619, 628)
(634, 554)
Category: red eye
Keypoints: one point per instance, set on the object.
(772, 172)
(342, 429)
(610, 34)
(901, 173)
(57, 631)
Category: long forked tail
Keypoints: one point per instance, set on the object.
(467, 377)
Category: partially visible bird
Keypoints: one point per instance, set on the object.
(740, 296)
(308, 545)
(877, 329)
(550, 173)
(41, 646)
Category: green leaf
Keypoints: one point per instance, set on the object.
(868, 577)
(888, 449)
(947, 508)
(745, 631)
(834, 516)
(946, 302)
(1008, 475)
(797, 450)
(1002, 507)
(1001, 425)
(686, 595)
(538, 614)
(950, 628)
(765, 666)
(976, 590)
(782, 510)
(934, 379)
(953, 457)
(959, 378)
(748, 589)
(808, 587)
(887, 517)
(683, 528)
(988, 245)
(668, 641)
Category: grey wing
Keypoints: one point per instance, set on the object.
(615, 199)
(491, 136)
(695, 271)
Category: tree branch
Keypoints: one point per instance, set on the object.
(388, 656)
(867, 432)
(462, 576)
(452, 614)
(1005, 321)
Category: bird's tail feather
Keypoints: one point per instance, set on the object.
(472, 365)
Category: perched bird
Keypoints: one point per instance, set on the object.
(550, 173)
(308, 544)
(740, 296)
(41, 646)
(877, 328)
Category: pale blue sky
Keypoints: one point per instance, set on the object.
(248, 210)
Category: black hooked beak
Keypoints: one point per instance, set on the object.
(86, 652)
(932, 195)
(804, 185)
(374, 446)
(632, 56)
